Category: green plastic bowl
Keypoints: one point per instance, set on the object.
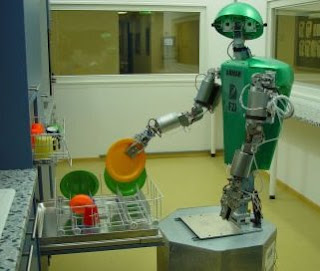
(79, 182)
(126, 189)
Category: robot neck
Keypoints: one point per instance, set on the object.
(240, 51)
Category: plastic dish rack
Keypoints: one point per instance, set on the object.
(50, 147)
(111, 213)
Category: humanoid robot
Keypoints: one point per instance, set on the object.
(255, 93)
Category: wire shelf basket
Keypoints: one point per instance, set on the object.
(50, 146)
(111, 213)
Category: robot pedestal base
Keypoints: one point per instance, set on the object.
(254, 251)
(202, 226)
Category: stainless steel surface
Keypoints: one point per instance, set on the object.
(211, 225)
(205, 93)
(257, 101)
(103, 244)
(30, 258)
(6, 199)
(168, 122)
(48, 109)
(34, 88)
(46, 178)
(35, 226)
(241, 164)
(246, 252)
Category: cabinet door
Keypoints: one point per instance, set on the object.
(15, 143)
(44, 44)
(33, 44)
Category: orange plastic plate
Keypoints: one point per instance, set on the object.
(122, 167)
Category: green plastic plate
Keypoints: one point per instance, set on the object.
(126, 189)
(79, 182)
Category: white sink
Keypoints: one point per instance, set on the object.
(6, 198)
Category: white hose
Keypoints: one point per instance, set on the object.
(273, 105)
(286, 103)
(274, 109)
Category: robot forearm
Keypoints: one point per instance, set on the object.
(209, 92)
(163, 125)
(207, 97)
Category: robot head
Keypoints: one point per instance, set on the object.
(239, 18)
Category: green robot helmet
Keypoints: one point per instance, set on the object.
(242, 15)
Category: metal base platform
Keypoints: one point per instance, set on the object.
(206, 226)
(184, 250)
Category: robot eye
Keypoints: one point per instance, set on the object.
(250, 26)
(227, 26)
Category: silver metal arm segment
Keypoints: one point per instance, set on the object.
(261, 108)
(207, 98)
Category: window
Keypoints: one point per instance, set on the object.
(298, 40)
(124, 42)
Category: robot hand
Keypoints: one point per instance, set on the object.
(207, 97)
(162, 125)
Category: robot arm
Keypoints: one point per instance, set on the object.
(263, 99)
(207, 98)
(264, 105)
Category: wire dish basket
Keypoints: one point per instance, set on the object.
(111, 213)
(50, 146)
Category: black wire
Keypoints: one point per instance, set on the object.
(228, 50)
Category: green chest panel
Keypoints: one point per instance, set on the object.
(235, 75)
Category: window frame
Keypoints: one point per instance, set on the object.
(304, 93)
(127, 5)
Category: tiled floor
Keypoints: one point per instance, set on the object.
(198, 181)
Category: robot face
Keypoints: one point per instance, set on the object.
(246, 25)
(239, 20)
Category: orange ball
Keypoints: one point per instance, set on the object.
(36, 129)
(80, 200)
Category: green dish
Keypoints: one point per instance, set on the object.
(79, 182)
(126, 189)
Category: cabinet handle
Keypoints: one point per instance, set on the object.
(34, 88)
(30, 258)
(35, 225)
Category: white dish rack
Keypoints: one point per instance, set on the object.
(111, 213)
(50, 147)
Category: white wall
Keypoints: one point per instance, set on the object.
(299, 158)
(97, 114)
